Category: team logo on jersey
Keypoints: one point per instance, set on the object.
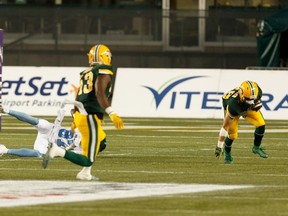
(164, 90)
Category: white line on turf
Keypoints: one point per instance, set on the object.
(189, 129)
(12, 193)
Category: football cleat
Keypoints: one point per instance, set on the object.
(46, 157)
(259, 151)
(86, 177)
(3, 150)
(228, 159)
(53, 151)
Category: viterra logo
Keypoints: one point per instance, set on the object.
(160, 94)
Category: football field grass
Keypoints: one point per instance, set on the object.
(162, 151)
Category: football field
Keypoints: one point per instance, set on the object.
(152, 167)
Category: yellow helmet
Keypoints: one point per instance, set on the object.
(100, 54)
(248, 91)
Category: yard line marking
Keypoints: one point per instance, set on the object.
(139, 171)
(12, 193)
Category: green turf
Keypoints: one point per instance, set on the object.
(182, 154)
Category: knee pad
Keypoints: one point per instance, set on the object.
(260, 130)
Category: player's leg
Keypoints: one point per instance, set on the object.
(232, 135)
(55, 151)
(92, 134)
(257, 119)
(24, 152)
(22, 116)
(90, 129)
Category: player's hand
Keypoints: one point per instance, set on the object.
(118, 123)
(257, 106)
(218, 152)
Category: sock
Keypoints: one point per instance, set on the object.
(258, 135)
(228, 144)
(257, 139)
(86, 170)
(58, 151)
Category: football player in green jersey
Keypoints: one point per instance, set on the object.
(243, 101)
(95, 83)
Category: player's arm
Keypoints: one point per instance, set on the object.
(228, 119)
(100, 87)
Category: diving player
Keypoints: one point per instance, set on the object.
(63, 137)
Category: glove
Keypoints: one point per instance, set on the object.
(118, 123)
(257, 106)
(218, 152)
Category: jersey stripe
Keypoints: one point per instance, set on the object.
(96, 57)
(93, 137)
(251, 88)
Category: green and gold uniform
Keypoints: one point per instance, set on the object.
(236, 109)
(86, 93)
(90, 125)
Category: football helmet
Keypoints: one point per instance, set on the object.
(100, 54)
(248, 92)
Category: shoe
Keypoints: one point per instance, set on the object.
(259, 151)
(3, 150)
(228, 159)
(53, 151)
(46, 157)
(86, 177)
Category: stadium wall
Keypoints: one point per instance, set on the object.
(150, 92)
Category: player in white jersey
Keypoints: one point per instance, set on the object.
(47, 132)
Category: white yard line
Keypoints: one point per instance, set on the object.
(188, 129)
(12, 193)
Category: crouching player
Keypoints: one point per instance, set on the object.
(243, 101)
